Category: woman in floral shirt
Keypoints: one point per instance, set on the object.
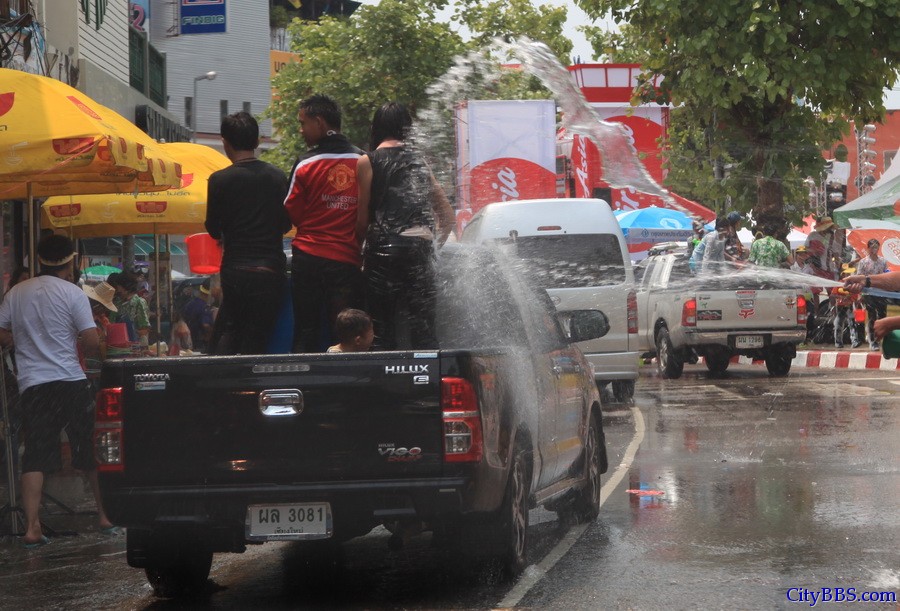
(133, 308)
(769, 252)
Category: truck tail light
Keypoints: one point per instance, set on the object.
(108, 440)
(463, 441)
(689, 313)
(632, 312)
(801, 310)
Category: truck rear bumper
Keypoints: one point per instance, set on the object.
(356, 506)
(726, 338)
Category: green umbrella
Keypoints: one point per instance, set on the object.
(101, 271)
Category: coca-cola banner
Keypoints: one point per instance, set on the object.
(585, 166)
(511, 149)
(645, 127)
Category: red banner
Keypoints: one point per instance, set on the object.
(507, 179)
(585, 166)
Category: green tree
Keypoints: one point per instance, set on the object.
(765, 82)
(513, 18)
(389, 51)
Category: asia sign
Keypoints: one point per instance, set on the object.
(202, 16)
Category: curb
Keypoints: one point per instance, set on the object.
(833, 359)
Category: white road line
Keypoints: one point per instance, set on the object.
(533, 574)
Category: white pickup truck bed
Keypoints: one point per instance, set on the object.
(683, 316)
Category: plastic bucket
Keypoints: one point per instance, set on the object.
(117, 334)
(859, 315)
(204, 254)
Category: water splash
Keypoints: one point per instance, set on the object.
(621, 165)
(475, 75)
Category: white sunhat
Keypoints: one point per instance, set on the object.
(102, 292)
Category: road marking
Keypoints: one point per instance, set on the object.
(533, 574)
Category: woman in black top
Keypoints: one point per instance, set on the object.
(402, 212)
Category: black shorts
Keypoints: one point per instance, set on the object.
(46, 410)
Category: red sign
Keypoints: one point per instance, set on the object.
(507, 179)
(72, 146)
(151, 207)
(6, 102)
(83, 107)
(65, 210)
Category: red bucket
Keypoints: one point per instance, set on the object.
(859, 315)
(117, 334)
(204, 254)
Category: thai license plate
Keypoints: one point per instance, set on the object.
(289, 521)
(749, 341)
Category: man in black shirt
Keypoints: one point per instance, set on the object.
(245, 211)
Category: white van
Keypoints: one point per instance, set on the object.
(575, 249)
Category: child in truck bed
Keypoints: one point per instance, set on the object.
(354, 331)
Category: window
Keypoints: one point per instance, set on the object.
(189, 112)
(569, 261)
(889, 157)
(223, 109)
(247, 108)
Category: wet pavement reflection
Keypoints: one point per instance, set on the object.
(745, 487)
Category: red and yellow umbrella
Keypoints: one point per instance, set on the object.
(177, 211)
(54, 140)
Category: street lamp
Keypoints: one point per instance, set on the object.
(209, 76)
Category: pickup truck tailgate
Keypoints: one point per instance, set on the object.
(746, 309)
(215, 420)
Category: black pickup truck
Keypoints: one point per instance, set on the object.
(209, 454)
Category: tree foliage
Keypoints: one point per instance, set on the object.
(383, 52)
(394, 50)
(764, 84)
(502, 18)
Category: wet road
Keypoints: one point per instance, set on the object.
(745, 489)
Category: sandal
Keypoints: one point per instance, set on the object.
(36, 544)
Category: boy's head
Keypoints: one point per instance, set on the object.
(354, 331)
(240, 131)
(319, 115)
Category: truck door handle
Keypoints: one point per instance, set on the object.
(281, 402)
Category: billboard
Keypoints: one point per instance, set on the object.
(202, 16)
(509, 151)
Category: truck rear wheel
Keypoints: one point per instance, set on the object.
(717, 361)
(669, 362)
(512, 519)
(779, 360)
(179, 570)
(623, 390)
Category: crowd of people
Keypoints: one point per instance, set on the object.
(823, 256)
(366, 229)
(367, 226)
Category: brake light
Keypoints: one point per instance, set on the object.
(463, 441)
(632, 312)
(689, 313)
(108, 440)
(801, 310)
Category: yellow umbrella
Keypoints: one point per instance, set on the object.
(177, 211)
(54, 140)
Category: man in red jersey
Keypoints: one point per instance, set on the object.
(322, 202)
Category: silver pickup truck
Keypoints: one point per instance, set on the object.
(715, 315)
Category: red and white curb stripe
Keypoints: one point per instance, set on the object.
(834, 359)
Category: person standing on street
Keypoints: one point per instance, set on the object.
(48, 319)
(826, 249)
(322, 201)
(768, 251)
(403, 214)
(876, 307)
(244, 211)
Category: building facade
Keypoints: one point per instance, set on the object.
(228, 37)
